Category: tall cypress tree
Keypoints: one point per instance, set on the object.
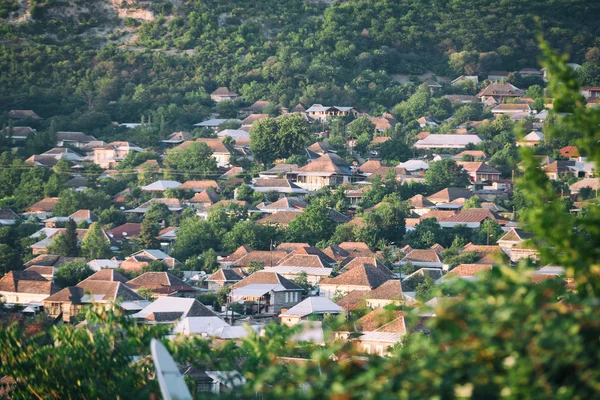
(65, 243)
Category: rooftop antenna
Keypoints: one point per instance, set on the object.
(171, 382)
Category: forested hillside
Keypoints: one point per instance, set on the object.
(89, 62)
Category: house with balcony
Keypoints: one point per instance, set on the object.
(329, 169)
(321, 113)
(480, 171)
(110, 155)
(266, 293)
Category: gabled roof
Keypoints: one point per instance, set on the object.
(280, 169)
(238, 135)
(355, 247)
(223, 91)
(570, 151)
(352, 300)
(212, 123)
(327, 164)
(422, 255)
(559, 166)
(313, 305)
(418, 201)
(593, 183)
(107, 274)
(361, 275)
(160, 282)
(370, 166)
(390, 290)
(491, 254)
(74, 137)
(251, 119)
(179, 136)
(309, 251)
(515, 235)
(206, 196)
(432, 83)
(216, 145)
(84, 214)
(275, 183)
(279, 218)
(18, 131)
(291, 246)
(169, 309)
(304, 261)
(50, 260)
(291, 203)
(26, 282)
(450, 194)
(267, 278)
(125, 231)
(383, 123)
(378, 318)
(501, 90)
(265, 257)
(239, 253)
(225, 275)
(8, 214)
(123, 146)
(161, 186)
(473, 153)
(478, 167)
(447, 141)
(320, 148)
(101, 291)
(23, 114)
(524, 108)
(473, 215)
(149, 255)
(534, 136)
(469, 269)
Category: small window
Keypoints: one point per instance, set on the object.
(379, 350)
(367, 348)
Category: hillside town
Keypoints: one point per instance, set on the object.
(299, 199)
(210, 232)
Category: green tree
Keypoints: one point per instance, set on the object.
(313, 225)
(343, 233)
(65, 243)
(535, 92)
(489, 232)
(271, 138)
(70, 201)
(194, 237)
(157, 212)
(293, 135)
(394, 151)
(262, 140)
(148, 237)
(446, 173)
(244, 192)
(254, 266)
(256, 236)
(71, 273)
(9, 259)
(112, 217)
(302, 280)
(473, 202)
(95, 244)
(115, 340)
(191, 162)
(362, 126)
